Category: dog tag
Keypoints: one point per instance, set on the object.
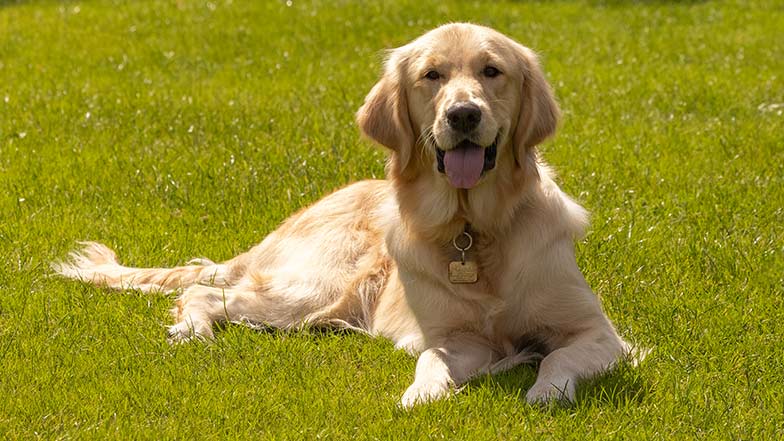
(463, 272)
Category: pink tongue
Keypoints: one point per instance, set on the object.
(464, 165)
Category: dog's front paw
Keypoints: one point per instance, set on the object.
(546, 392)
(186, 331)
(424, 392)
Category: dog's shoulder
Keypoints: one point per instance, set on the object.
(559, 211)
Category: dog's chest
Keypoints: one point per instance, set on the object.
(503, 307)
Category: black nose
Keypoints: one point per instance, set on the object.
(464, 116)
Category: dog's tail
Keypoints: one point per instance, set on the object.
(97, 264)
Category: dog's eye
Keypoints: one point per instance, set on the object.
(491, 72)
(432, 75)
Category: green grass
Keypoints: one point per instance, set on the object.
(176, 129)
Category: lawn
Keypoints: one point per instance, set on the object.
(175, 129)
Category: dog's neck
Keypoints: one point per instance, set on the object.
(437, 212)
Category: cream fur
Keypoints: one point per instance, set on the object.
(373, 256)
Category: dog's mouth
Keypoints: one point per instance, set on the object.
(466, 162)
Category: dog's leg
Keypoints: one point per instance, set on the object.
(441, 368)
(257, 300)
(200, 306)
(587, 354)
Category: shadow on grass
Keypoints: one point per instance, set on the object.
(6, 3)
(12, 3)
(622, 386)
(619, 387)
(311, 331)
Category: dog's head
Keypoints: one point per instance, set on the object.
(458, 100)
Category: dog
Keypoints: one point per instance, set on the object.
(464, 255)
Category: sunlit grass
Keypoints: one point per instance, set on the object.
(170, 130)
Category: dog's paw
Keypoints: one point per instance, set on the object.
(424, 392)
(185, 331)
(546, 392)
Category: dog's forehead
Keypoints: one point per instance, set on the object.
(461, 43)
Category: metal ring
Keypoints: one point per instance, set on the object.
(470, 241)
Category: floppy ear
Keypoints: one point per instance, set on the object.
(384, 116)
(539, 112)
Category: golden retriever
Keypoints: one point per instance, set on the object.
(464, 255)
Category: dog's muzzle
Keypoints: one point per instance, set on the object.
(462, 164)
